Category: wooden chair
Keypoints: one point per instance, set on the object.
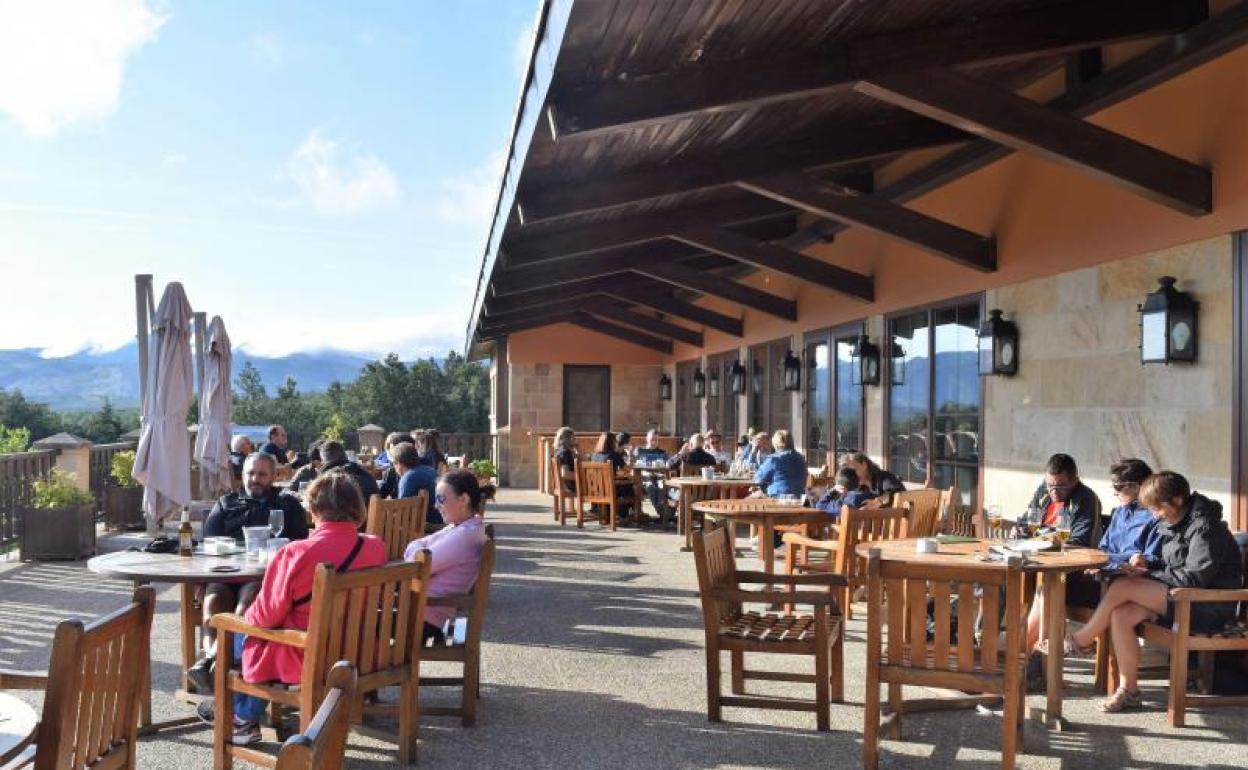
(924, 507)
(468, 653)
(371, 618)
(948, 509)
(92, 690)
(899, 652)
(557, 486)
(805, 554)
(595, 485)
(397, 522)
(323, 745)
(729, 627)
(1180, 639)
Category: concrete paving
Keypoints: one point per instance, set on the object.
(594, 658)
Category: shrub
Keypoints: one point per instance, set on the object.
(483, 469)
(13, 440)
(336, 430)
(59, 490)
(121, 468)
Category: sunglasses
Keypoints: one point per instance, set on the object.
(1059, 487)
(439, 499)
(1121, 485)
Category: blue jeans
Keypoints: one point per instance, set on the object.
(248, 708)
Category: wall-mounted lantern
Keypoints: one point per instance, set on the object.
(736, 379)
(699, 384)
(896, 363)
(866, 362)
(665, 387)
(792, 372)
(712, 389)
(1168, 325)
(998, 346)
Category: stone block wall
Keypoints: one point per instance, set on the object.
(1082, 390)
(635, 403)
(536, 400)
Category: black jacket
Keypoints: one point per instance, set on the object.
(883, 483)
(1199, 551)
(236, 510)
(1083, 509)
(389, 487)
(363, 479)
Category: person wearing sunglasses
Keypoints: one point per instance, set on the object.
(1063, 497)
(456, 548)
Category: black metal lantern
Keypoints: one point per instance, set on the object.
(756, 376)
(736, 379)
(998, 346)
(712, 390)
(866, 362)
(1168, 325)
(665, 387)
(699, 384)
(896, 363)
(792, 372)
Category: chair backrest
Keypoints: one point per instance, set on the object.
(283, 473)
(898, 595)
(481, 590)
(865, 525)
(95, 681)
(717, 568)
(369, 617)
(323, 745)
(595, 482)
(397, 522)
(694, 469)
(947, 510)
(924, 507)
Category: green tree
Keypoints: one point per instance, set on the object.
(17, 412)
(250, 398)
(13, 440)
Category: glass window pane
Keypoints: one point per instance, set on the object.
(758, 387)
(817, 393)
(779, 400)
(848, 400)
(908, 418)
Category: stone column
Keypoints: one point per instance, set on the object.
(73, 455)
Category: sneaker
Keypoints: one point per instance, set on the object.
(1122, 700)
(245, 733)
(204, 712)
(200, 674)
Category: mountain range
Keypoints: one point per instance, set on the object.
(85, 379)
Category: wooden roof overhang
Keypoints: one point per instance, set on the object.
(661, 150)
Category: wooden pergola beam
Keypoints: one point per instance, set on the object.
(494, 331)
(614, 311)
(587, 321)
(1004, 117)
(768, 256)
(641, 100)
(879, 215)
(833, 147)
(496, 306)
(726, 288)
(662, 301)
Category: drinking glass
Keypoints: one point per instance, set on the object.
(1063, 531)
(993, 513)
(277, 520)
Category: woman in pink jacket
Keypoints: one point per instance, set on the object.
(337, 508)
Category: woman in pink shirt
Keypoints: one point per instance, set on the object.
(337, 508)
(456, 548)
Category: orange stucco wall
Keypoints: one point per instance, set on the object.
(1047, 219)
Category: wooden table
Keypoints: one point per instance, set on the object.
(723, 486)
(17, 726)
(1052, 566)
(189, 572)
(766, 514)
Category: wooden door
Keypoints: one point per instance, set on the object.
(587, 398)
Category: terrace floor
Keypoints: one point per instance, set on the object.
(593, 658)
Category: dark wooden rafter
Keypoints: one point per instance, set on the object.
(834, 147)
(781, 260)
(587, 321)
(726, 288)
(879, 215)
(664, 302)
(494, 331)
(496, 306)
(1004, 117)
(615, 311)
(535, 311)
(707, 88)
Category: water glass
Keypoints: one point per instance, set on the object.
(277, 520)
(255, 538)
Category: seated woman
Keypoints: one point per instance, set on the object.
(456, 548)
(565, 457)
(607, 451)
(874, 479)
(337, 508)
(1197, 551)
(784, 471)
(846, 490)
(304, 475)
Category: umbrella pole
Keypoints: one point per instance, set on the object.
(142, 291)
(201, 344)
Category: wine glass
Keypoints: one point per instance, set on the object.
(277, 520)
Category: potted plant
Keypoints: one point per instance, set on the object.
(123, 497)
(484, 470)
(59, 523)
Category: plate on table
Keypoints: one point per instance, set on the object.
(1032, 545)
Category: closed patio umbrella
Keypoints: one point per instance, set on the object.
(216, 413)
(162, 461)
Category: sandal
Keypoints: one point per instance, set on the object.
(1122, 700)
(1070, 648)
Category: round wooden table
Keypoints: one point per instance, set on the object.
(764, 513)
(701, 489)
(189, 572)
(17, 726)
(1052, 566)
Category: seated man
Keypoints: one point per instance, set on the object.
(1063, 497)
(389, 487)
(240, 447)
(276, 445)
(714, 443)
(692, 453)
(756, 452)
(309, 471)
(415, 476)
(846, 491)
(233, 512)
(334, 457)
(652, 483)
(623, 444)
(784, 471)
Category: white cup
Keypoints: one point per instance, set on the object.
(255, 538)
(708, 473)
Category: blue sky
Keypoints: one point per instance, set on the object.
(320, 174)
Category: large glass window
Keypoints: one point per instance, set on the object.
(688, 408)
(721, 410)
(848, 399)
(833, 400)
(934, 398)
(770, 405)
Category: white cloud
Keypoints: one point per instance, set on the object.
(345, 185)
(469, 198)
(62, 61)
(174, 159)
(267, 50)
(410, 336)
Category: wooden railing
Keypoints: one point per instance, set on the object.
(17, 472)
(101, 467)
(474, 446)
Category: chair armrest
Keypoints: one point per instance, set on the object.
(810, 578)
(797, 538)
(229, 621)
(23, 680)
(1209, 594)
(773, 597)
(459, 601)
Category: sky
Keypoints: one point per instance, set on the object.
(319, 174)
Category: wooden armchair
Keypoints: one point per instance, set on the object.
(323, 745)
(729, 627)
(468, 653)
(105, 662)
(397, 522)
(900, 652)
(595, 485)
(924, 507)
(371, 618)
(804, 554)
(557, 486)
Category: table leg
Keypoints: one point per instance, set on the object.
(145, 702)
(766, 547)
(1055, 632)
(146, 725)
(684, 519)
(190, 623)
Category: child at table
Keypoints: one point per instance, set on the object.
(846, 490)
